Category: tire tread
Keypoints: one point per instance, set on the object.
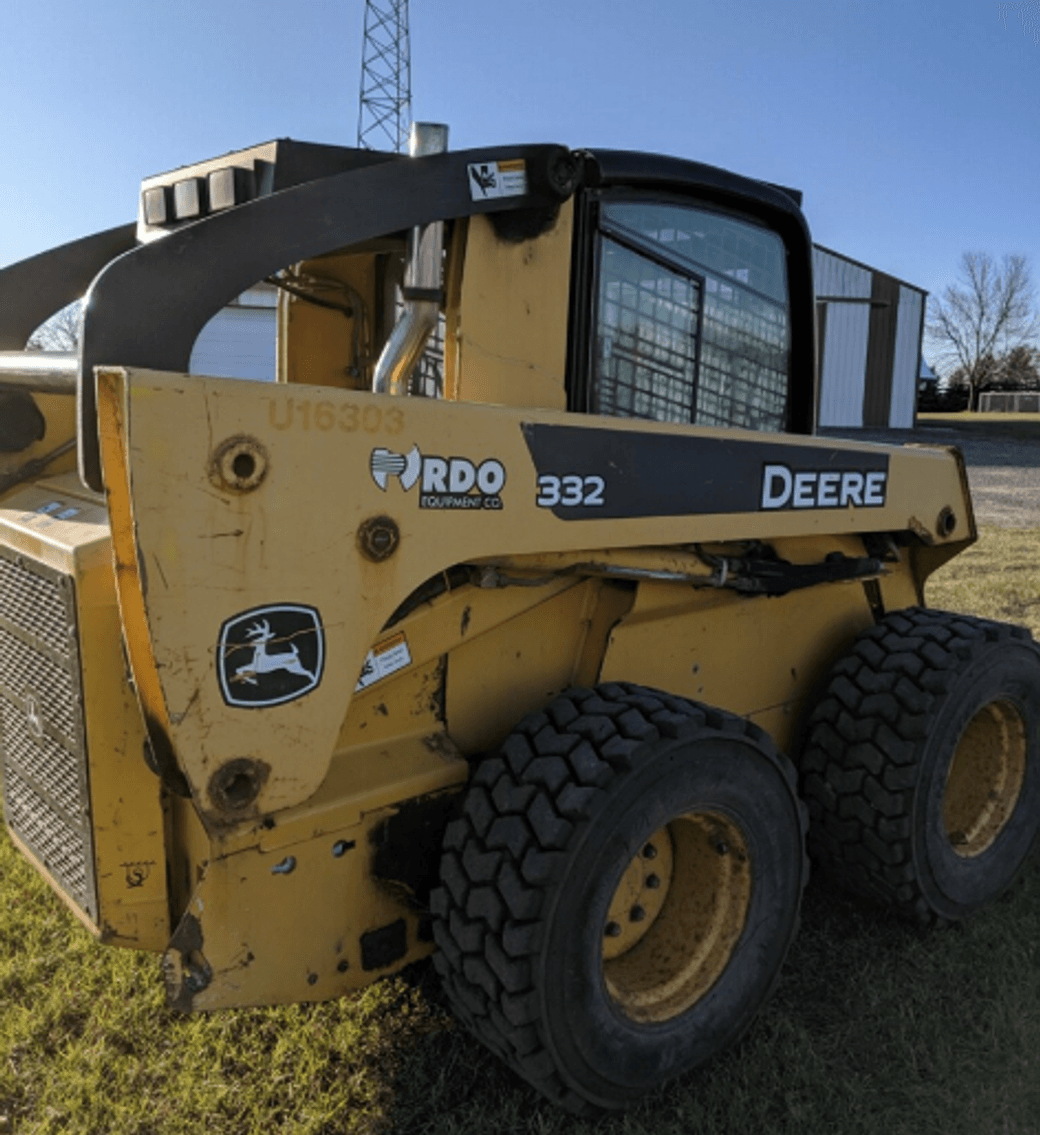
(531, 802)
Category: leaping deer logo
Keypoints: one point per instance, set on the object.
(262, 662)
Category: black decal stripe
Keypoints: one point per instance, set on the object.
(650, 474)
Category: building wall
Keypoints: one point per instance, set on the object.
(844, 331)
(907, 359)
(869, 328)
(239, 341)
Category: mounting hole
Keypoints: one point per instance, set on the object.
(239, 463)
(244, 465)
(947, 522)
(237, 784)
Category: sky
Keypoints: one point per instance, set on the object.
(911, 126)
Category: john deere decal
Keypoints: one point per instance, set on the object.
(270, 655)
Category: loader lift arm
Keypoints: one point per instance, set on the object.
(206, 264)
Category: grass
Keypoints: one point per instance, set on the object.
(999, 425)
(875, 1026)
(998, 578)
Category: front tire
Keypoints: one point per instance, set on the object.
(922, 765)
(619, 892)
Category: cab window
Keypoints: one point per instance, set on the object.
(692, 321)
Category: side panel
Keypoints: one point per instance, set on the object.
(495, 679)
(349, 501)
(510, 329)
(757, 657)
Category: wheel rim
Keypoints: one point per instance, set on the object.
(666, 943)
(985, 778)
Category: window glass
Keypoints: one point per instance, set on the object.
(647, 338)
(705, 339)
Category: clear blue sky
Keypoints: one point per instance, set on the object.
(912, 127)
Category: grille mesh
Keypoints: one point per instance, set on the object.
(42, 750)
(33, 604)
(23, 668)
(54, 842)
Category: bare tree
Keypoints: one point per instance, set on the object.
(987, 314)
(60, 332)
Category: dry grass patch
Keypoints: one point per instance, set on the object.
(998, 578)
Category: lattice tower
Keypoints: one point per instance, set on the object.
(384, 117)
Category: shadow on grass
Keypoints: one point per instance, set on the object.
(876, 1026)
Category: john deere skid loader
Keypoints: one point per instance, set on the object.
(547, 659)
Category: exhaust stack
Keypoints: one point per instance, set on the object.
(422, 283)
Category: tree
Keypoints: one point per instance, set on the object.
(60, 332)
(1020, 370)
(983, 318)
(1017, 370)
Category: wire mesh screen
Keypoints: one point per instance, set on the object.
(428, 377)
(705, 340)
(647, 338)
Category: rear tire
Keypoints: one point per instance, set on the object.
(922, 764)
(619, 891)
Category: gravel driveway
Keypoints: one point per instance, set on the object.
(1004, 473)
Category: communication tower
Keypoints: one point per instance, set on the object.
(384, 117)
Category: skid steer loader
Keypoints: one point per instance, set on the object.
(550, 659)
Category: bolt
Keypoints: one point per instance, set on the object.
(653, 882)
(312, 979)
(636, 914)
(649, 852)
(378, 538)
(722, 847)
(343, 966)
(613, 929)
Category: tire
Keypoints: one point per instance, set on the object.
(619, 891)
(922, 763)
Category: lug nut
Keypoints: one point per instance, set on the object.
(649, 852)
(613, 929)
(653, 882)
(637, 914)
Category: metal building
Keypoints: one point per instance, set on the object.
(239, 341)
(869, 328)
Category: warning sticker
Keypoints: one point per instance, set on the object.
(384, 659)
(497, 179)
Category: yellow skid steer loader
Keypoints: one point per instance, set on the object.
(549, 656)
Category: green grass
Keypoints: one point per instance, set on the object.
(875, 1026)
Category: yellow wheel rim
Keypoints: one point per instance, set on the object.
(985, 778)
(676, 916)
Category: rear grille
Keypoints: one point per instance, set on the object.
(42, 744)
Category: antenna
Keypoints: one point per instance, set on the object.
(385, 112)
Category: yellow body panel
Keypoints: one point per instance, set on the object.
(509, 332)
(333, 345)
(204, 551)
(759, 657)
